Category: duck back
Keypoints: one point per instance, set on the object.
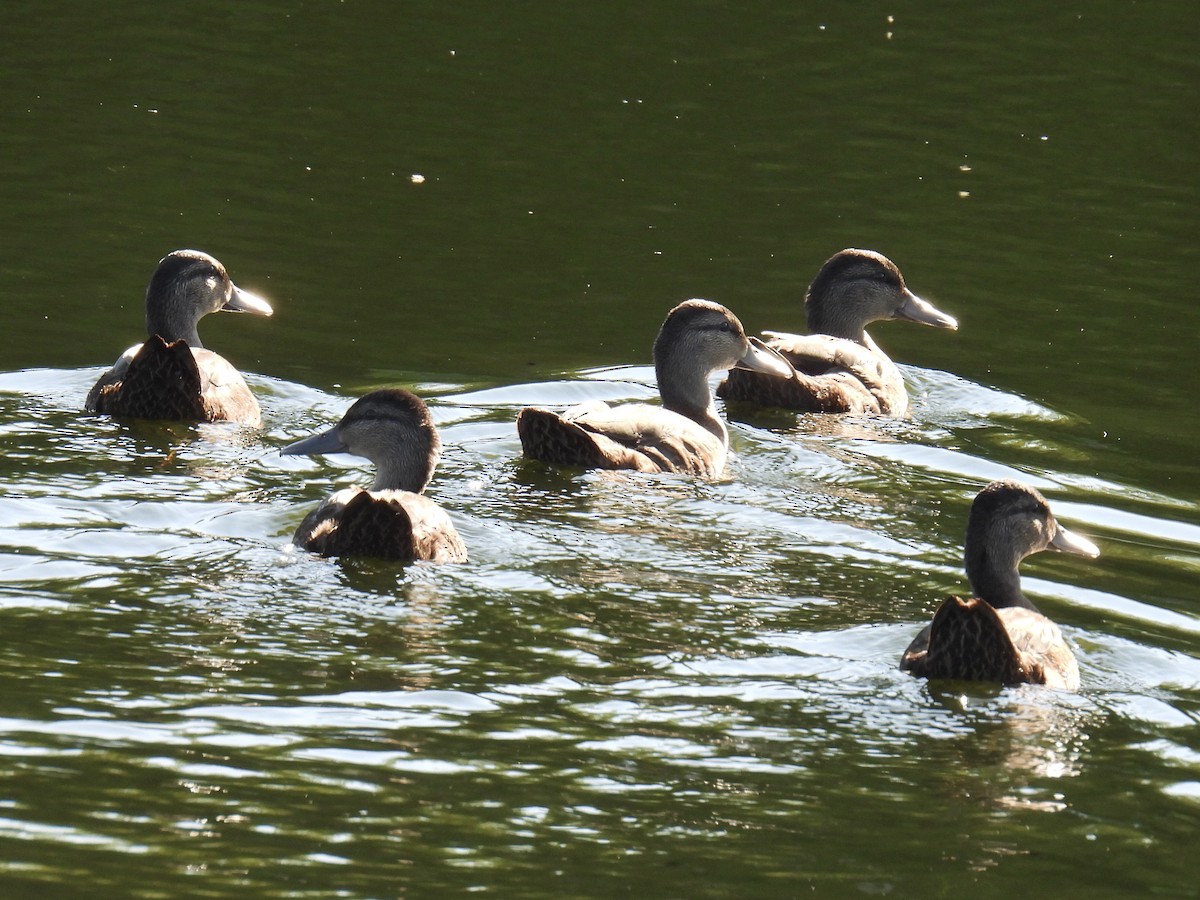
(163, 380)
(638, 437)
(970, 640)
(158, 381)
(396, 525)
(832, 375)
(826, 393)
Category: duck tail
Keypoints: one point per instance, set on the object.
(161, 382)
(550, 438)
(370, 526)
(968, 642)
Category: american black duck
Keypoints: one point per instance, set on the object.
(685, 434)
(838, 368)
(172, 375)
(999, 635)
(392, 519)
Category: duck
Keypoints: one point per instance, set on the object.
(998, 634)
(685, 434)
(838, 368)
(392, 519)
(172, 375)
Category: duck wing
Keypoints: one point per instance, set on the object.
(1041, 648)
(103, 389)
(818, 354)
(832, 375)
(635, 436)
(395, 525)
(967, 642)
(224, 392)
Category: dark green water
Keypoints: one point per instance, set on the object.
(639, 686)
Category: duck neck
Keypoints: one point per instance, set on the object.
(168, 322)
(408, 466)
(684, 389)
(834, 313)
(866, 341)
(994, 576)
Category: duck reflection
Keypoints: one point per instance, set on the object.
(1013, 741)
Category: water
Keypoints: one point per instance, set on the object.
(638, 685)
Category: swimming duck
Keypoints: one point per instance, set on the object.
(999, 635)
(839, 368)
(392, 520)
(685, 434)
(172, 375)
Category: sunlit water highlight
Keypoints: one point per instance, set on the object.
(626, 660)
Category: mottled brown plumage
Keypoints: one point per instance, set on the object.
(839, 368)
(392, 520)
(999, 635)
(685, 434)
(970, 640)
(161, 377)
(381, 525)
(172, 375)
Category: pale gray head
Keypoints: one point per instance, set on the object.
(1008, 522)
(857, 287)
(390, 427)
(697, 339)
(188, 285)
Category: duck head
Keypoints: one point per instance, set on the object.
(390, 427)
(857, 287)
(1008, 522)
(700, 337)
(188, 285)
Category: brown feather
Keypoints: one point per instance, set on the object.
(172, 381)
(966, 641)
(645, 447)
(969, 640)
(397, 525)
(548, 437)
(830, 392)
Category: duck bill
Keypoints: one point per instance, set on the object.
(923, 312)
(1068, 542)
(244, 301)
(761, 358)
(325, 442)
